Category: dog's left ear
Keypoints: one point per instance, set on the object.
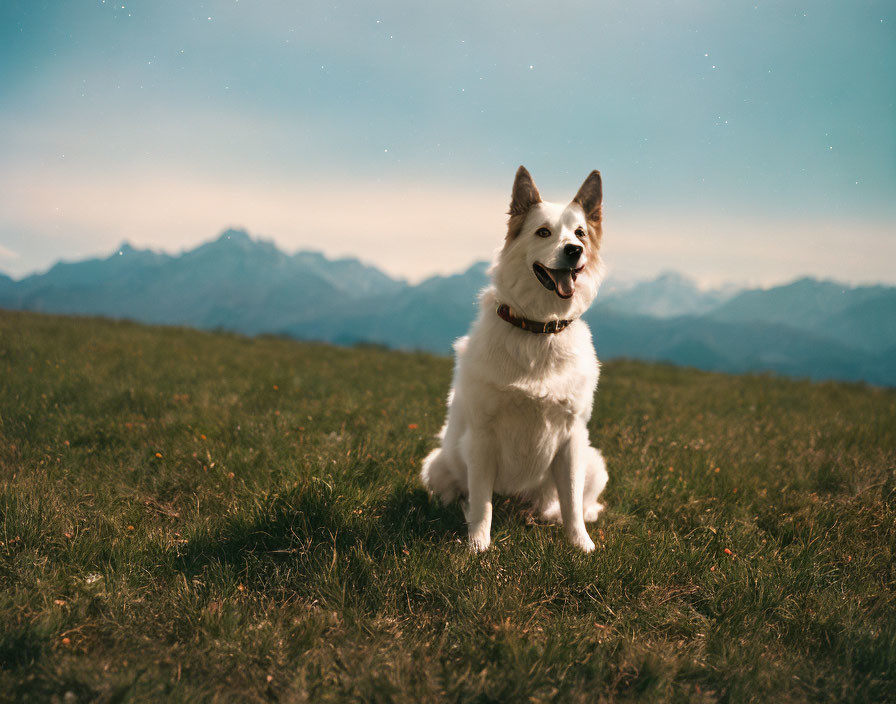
(525, 194)
(590, 196)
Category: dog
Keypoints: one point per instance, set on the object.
(525, 375)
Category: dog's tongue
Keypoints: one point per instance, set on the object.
(565, 284)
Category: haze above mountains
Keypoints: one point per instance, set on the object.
(808, 328)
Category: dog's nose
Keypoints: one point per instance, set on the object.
(573, 251)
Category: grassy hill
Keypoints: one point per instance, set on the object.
(192, 516)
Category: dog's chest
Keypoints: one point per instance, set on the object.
(557, 385)
(535, 419)
(555, 399)
(529, 431)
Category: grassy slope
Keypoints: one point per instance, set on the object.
(190, 515)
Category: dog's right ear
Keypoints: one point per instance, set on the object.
(590, 196)
(524, 194)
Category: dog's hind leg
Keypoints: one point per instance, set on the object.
(595, 481)
(547, 504)
(438, 478)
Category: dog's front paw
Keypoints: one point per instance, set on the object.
(480, 543)
(584, 543)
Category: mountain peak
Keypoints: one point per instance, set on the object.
(675, 278)
(235, 236)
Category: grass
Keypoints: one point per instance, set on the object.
(190, 516)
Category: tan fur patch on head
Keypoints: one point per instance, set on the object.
(595, 233)
(514, 225)
(593, 263)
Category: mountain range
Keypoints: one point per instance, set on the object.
(807, 328)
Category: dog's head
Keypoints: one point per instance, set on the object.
(550, 267)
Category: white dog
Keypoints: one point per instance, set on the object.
(525, 376)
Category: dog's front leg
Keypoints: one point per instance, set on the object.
(568, 470)
(481, 467)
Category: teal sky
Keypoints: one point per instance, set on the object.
(752, 142)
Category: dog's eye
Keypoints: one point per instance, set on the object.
(543, 232)
(580, 233)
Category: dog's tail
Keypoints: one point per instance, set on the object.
(437, 477)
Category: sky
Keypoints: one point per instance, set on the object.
(738, 141)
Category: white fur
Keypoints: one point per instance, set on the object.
(520, 403)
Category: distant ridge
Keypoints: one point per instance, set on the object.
(670, 294)
(809, 328)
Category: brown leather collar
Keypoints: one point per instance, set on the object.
(550, 327)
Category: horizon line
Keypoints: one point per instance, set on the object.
(701, 284)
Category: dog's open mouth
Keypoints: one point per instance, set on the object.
(563, 281)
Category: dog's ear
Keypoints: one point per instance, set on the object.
(524, 194)
(590, 196)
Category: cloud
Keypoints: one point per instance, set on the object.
(6, 253)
